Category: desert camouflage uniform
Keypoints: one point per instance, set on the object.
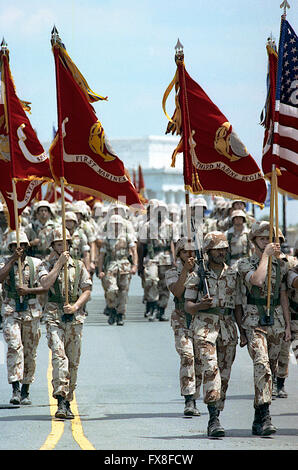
(239, 243)
(21, 330)
(293, 307)
(157, 261)
(42, 231)
(264, 342)
(182, 325)
(215, 333)
(64, 337)
(79, 244)
(117, 267)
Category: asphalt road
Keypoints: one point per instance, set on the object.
(128, 395)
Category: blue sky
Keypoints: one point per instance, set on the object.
(125, 50)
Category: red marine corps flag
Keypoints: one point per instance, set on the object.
(280, 147)
(23, 163)
(80, 153)
(215, 159)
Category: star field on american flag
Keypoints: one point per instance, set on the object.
(289, 67)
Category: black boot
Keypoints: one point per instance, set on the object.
(25, 399)
(280, 385)
(112, 316)
(120, 320)
(147, 311)
(16, 394)
(267, 426)
(214, 428)
(69, 413)
(152, 311)
(190, 408)
(257, 423)
(61, 411)
(161, 314)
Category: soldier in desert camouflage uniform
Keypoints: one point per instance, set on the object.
(80, 248)
(117, 262)
(237, 236)
(263, 333)
(156, 247)
(39, 230)
(182, 324)
(64, 322)
(214, 330)
(22, 311)
(292, 280)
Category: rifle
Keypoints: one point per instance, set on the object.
(200, 261)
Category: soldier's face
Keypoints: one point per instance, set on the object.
(261, 242)
(43, 213)
(59, 246)
(238, 206)
(13, 247)
(238, 220)
(218, 256)
(70, 224)
(186, 254)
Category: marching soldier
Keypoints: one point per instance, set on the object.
(237, 236)
(22, 311)
(80, 208)
(214, 330)
(79, 248)
(117, 262)
(39, 230)
(292, 281)
(156, 247)
(182, 324)
(64, 322)
(263, 333)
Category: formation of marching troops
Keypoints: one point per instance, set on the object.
(217, 296)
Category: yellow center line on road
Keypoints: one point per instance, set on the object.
(58, 425)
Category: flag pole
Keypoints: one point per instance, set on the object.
(55, 39)
(271, 222)
(16, 216)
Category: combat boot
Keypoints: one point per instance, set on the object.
(120, 320)
(147, 310)
(61, 411)
(69, 413)
(112, 316)
(161, 314)
(190, 408)
(16, 394)
(153, 309)
(257, 423)
(25, 399)
(280, 385)
(214, 427)
(267, 426)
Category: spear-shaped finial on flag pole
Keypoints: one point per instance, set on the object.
(285, 4)
(179, 50)
(4, 46)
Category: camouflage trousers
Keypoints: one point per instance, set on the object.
(215, 337)
(190, 368)
(264, 349)
(116, 287)
(22, 338)
(154, 284)
(64, 340)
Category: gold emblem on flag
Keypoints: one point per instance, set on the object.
(227, 143)
(97, 142)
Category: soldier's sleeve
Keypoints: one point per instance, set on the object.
(84, 243)
(291, 276)
(36, 263)
(85, 280)
(171, 277)
(3, 261)
(191, 287)
(245, 270)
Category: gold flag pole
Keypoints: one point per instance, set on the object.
(64, 239)
(16, 216)
(272, 200)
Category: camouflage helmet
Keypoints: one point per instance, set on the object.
(184, 244)
(116, 219)
(44, 204)
(238, 213)
(259, 229)
(12, 237)
(200, 201)
(214, 241)
(71, 216)
(57, 235)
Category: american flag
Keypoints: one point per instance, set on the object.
(285, 138)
